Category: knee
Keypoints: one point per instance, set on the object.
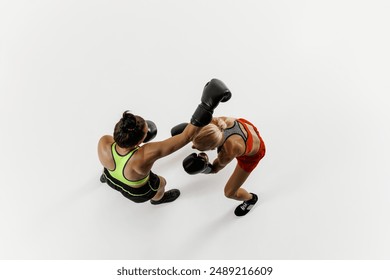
(230, 193)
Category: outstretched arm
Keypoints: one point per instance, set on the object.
(214, 92)
(156, 150)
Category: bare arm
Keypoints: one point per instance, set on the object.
(104, 151)
(221, 161)
(229, 151)
(156, 150)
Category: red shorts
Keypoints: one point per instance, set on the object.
(248, 163)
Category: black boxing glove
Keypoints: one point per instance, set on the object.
(177, 129)
(195, 164)
(214, 92)
(152, 131)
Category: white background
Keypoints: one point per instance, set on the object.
(312, 75)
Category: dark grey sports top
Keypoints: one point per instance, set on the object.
(235, 129)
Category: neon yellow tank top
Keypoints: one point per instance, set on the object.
(120, 163)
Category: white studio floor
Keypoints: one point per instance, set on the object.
(313, 77)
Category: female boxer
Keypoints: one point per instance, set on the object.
(233, 138)
(127, 162)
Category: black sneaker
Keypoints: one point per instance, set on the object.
(246, 206)
(103, 178)
(168, 196)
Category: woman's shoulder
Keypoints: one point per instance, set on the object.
(106, 140)
(228, 120)
(104, 151)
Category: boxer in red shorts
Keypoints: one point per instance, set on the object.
(233, 138)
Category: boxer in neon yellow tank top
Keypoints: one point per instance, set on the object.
(127, 160)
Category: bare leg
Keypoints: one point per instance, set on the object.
(161, 189)
(233, 188)
(163, 196)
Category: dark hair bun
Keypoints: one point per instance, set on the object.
(129, 122)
